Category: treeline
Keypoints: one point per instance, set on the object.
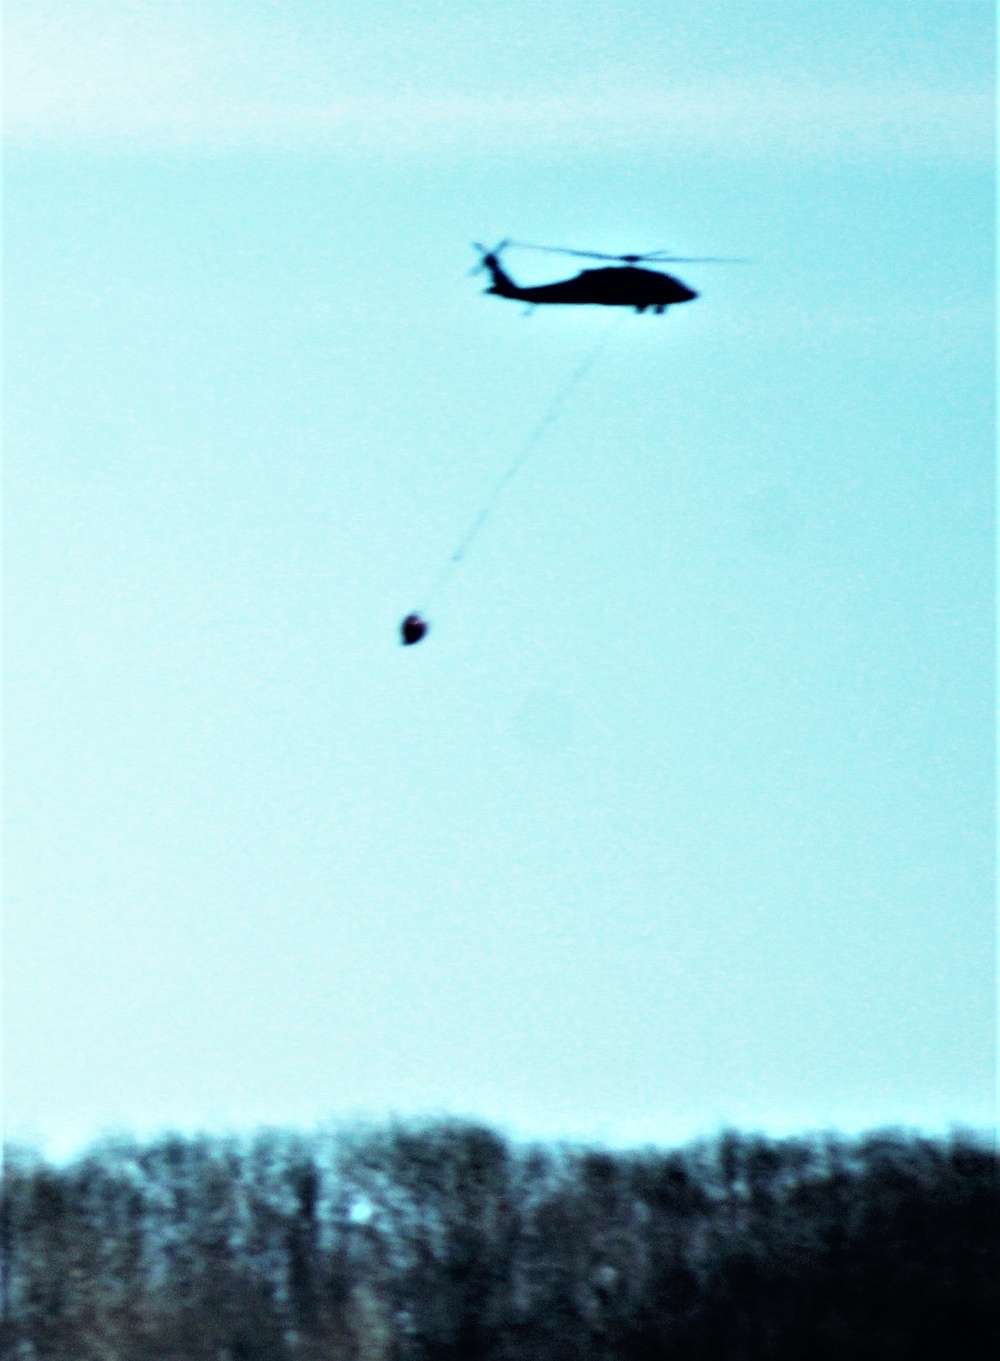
(445, 1242)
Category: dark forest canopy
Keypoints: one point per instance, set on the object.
(445, 1242)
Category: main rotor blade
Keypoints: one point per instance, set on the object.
(629, 258)
(565, 250)
(662, 259)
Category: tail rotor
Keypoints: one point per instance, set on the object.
(485, 253)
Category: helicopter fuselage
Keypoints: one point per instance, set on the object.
(620, 286)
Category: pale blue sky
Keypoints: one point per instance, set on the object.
(682, 815)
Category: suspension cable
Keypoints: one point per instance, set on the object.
(528, 447)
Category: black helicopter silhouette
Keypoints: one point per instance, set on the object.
(624, 285)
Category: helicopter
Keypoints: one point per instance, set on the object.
(623, 285)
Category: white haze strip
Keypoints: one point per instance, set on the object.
(176, 76)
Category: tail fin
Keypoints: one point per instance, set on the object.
(501, 283)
